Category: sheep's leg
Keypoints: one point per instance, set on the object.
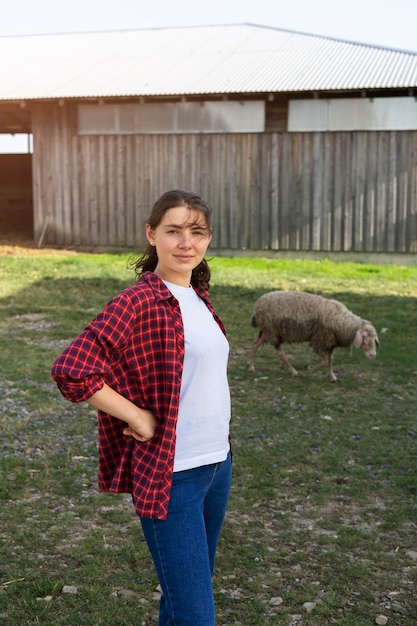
(332, 375)
(258, 342)
(284, 359)
(325, 360)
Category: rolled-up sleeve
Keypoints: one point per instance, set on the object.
(81, 368)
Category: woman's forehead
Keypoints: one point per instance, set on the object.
(184, 216)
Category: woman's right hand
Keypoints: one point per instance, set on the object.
(140, 422)
(142, 427)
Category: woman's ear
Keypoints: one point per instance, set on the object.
(150, 235)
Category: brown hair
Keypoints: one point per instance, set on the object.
(148, 261)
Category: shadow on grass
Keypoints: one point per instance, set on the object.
(70, 303)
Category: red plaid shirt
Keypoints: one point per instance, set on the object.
(136, 346)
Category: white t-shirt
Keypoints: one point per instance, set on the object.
(204, 408)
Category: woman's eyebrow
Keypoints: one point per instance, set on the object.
(182, 226)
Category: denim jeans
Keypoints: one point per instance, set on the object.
(183, 546)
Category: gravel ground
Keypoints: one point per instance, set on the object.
(40, 433)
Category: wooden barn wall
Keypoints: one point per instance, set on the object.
(278, 191)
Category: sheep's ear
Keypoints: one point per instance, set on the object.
(357, 342)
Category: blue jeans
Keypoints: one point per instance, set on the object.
(183, 546)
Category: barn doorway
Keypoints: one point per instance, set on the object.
(16, 190)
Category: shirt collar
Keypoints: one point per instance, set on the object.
(161, 290)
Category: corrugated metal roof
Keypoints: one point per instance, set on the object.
(195, 60)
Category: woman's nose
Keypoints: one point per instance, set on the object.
(185, 239)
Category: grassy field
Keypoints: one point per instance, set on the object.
(321, 527)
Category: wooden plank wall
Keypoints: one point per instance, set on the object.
(339, 191)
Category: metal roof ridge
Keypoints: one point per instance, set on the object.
(124, 30)
(213, 26)
(330, 38)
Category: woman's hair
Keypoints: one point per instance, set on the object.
(148, 261)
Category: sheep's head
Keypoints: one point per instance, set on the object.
(366, 339)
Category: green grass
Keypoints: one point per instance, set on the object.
(323, 506)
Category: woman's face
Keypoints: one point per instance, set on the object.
(181, 240)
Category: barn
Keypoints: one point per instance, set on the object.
(302, 144)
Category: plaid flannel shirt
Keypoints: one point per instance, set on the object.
(136, 346)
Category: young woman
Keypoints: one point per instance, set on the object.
(154, 365)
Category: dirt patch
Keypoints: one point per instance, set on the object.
(29, 249)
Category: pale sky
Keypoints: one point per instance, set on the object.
(388, 23)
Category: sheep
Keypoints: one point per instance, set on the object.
(298, 316)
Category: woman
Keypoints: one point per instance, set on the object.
(154, 365)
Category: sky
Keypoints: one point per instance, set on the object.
(387, 23)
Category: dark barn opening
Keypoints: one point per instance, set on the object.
(16, 184)
(16, 197)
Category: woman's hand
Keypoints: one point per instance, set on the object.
(141, 427)
(140, 422)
